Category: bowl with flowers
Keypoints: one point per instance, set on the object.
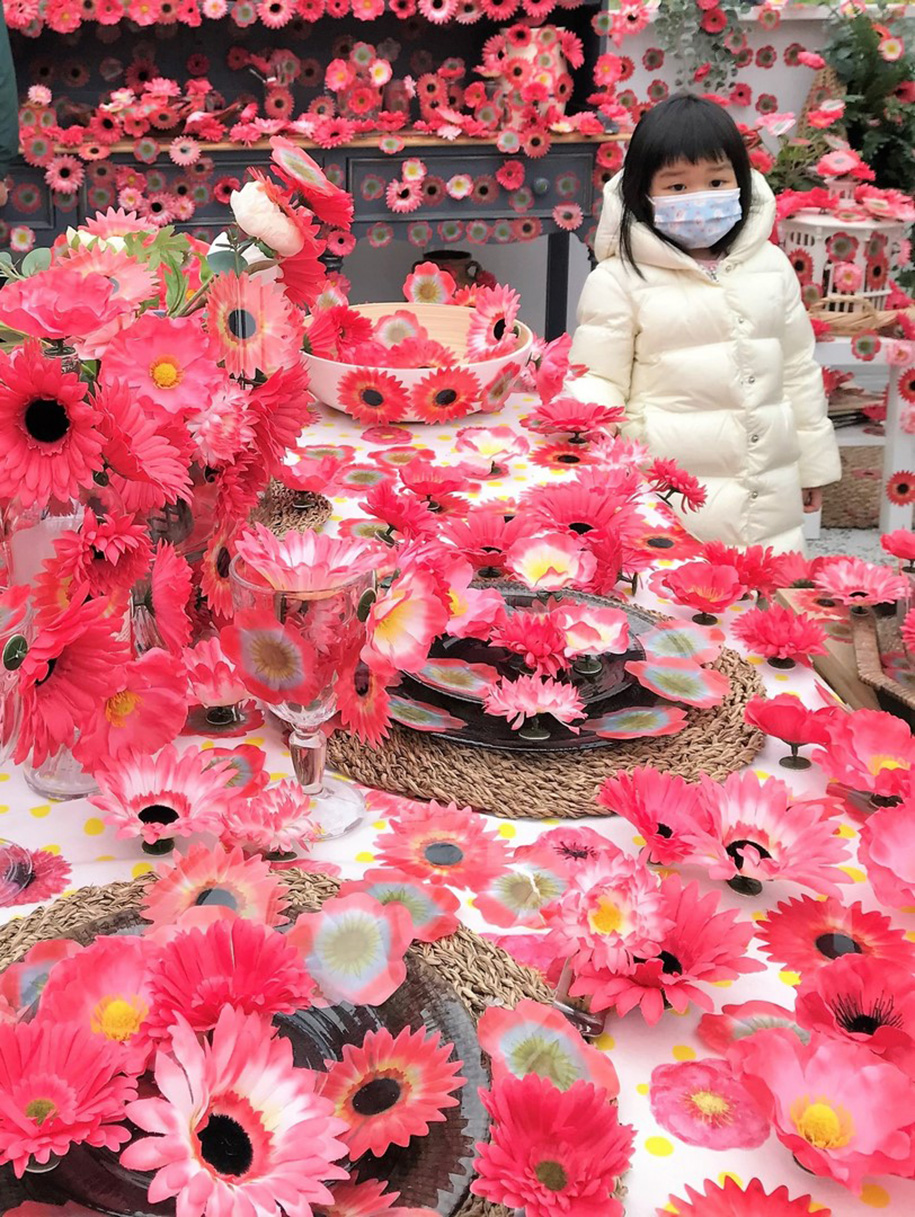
(442, 355)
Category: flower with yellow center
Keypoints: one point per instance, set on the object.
(165, 372)
(121, 706)
(118, 1018)
(607, 917)
(711, 1107)
(878, 764)
(823, 1124)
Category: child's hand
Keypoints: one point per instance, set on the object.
(813, 499)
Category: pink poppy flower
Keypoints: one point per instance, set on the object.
(841, 1110)
(703, 1103)
(735, 1022)
(550, 562)
(354, 948)
(176, 370)
(868, 750)
(61, 303)
(705, 587)
(887, 849)
(403, 622)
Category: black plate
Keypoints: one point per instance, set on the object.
(465, 722)
(433, 1172)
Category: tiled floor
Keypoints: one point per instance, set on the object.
(856, 542)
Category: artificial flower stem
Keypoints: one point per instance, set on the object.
(34, 1167)
(164, 845)
(705, 619)
(783, 662)
(587, 665)
(223, 716)
(198, 298)
(794, 761)
(587, 1024)
(534, 730)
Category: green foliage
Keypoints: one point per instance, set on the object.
(793, 168)
(880, 126)
(680, 33)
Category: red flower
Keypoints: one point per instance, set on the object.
(757, 566)
(702, 586)
(864, 1000)
(787, 718)
(780, 633)
(805, 933)
(537, 637)
(556, 1152)
(668, 478)
(901, 544)
(729, 1199)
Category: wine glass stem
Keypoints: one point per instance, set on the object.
(308, 750)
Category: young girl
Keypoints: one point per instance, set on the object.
(693, 321)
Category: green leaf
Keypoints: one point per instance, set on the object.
(35, 261)
(221, 261)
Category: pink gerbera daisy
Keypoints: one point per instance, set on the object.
(443, 844)
(297, 169)
(109, 553)
(780, 635)
(662, 807)
(703, 946)
(235, 962)
(106, 989)
(887, 849)
(804, 934)
(50, 446)
(754, 835)
(236, 1125)
(165, 796)
(37, 876)
(730, 1199)
(305, 561)
(390, 1090)
(218, 881)
(855, 582)
(550, 1148)
(253, 326)
(61, 1085)
(175, 371)
(493, 328)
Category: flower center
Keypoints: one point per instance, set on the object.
(157, 813)
(216, 895)
(832, 945)
(40, 1110)
(443, 853)
(46, 420)
(736, 848)
(273, 660)
(376, 1096)
(821, 1124)
(606, 918)
(225, 1145)
(429, 291)
(166, 372)
(878, 764)
(120, 707)
(445, 397)
(117, 1018)
(713, 1108)
(241, 324)
(551, 1174)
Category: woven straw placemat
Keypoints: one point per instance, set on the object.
(481, 973)
(278, 512)
(524, 786)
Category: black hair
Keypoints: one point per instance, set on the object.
(688, 127)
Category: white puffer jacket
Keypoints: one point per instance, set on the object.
(716, 373)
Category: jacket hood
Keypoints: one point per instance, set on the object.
(648, 249)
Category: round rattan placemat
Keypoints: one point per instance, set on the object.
(521, 786)
(480, 972)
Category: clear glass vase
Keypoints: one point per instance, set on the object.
(297, 641)
(60, 777)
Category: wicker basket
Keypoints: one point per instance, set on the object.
(875, 636)
(854, 502)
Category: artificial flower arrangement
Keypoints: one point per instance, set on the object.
(171, 1048)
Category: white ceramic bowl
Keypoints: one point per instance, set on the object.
(334, 383)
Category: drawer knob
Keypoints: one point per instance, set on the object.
(541, 185)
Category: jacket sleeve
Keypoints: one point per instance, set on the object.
(604, 340)
(819, 460)
(9, 102)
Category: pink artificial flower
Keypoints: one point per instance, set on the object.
(537, 637)
(550, 562)
(901, 544)
(842, 1111)
(754, 835)
(280, 820)
(529, 696)
(868, 750)
(175, 371)
(662, 807)
(427, 283)
(702, 1103)
(145, 710)
(887, 849)
(779, 633)
(305, 561)
(705, 587)
(403, 622)
(61, 304)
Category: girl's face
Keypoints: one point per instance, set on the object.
(683, 177)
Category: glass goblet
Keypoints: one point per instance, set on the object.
(288, 647)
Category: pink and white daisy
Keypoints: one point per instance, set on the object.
(164, 796)
(661, 807)
(280, 820)
(854, 582)
(236, 1125)
(211, 675)
(529, 696)
(305, 561)
(217, 883)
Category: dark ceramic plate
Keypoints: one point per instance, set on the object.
(424, 706)
(432, 1172)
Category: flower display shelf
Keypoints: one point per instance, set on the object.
(883, 663)
(423, 703)
(449, 984)
(874, 248)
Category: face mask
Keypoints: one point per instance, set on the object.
(697, 221)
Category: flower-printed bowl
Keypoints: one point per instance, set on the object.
(424, 394)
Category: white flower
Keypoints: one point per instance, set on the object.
(258, 216)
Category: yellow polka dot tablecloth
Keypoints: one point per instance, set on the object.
(81, 850)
